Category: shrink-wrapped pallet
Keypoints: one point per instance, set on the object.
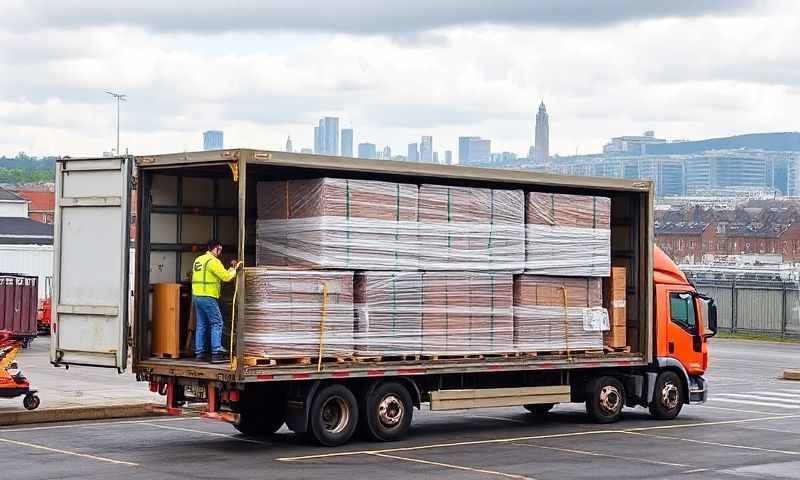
(331, 223)
(463, 228)
(467, 313)
(558, 313)
(388, 313)
(292, 313)
(567, 235)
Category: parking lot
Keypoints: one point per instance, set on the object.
(749, 428)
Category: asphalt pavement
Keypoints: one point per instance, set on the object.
(750, 428)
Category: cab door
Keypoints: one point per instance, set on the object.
(685, 334)
(91, 250)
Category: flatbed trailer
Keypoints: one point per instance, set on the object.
(184, 199)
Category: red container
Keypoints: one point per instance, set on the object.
(19, 301)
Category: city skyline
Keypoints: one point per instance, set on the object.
(402, 82)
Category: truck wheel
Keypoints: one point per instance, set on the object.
(260, 422)
(606, 397)
(333, 416)
(539, 408)
(387, 412)
(31, 402)
(667, 396)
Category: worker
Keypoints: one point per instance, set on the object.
(208, 273)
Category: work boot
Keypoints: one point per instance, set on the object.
(201, 357)
(220, 357)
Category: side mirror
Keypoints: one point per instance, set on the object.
(712, 318)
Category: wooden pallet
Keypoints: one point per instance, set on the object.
(626, 349)
(290, 361)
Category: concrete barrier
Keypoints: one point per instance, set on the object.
(75, 413)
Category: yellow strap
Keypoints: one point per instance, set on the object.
(566, 322)
(322, 318)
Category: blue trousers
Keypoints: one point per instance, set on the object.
(209, 318)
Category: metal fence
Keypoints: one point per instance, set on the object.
(765, 307)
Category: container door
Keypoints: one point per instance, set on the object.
(91, 246)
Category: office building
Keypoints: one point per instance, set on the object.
(413, 152)
(448, 157)
(347, 142)
(542, 136)
(426, 149)
(212, 140)
(632, 144)
(387, 153)
(367, 150)
(306, 150)
(474, 151)
(463, 149)
(326, 136)
(289, 145)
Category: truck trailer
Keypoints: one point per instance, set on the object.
(183, 199)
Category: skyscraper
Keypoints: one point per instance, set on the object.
(435, 157)
(326, 136)
(463, 149)
(448, 157)
(387, 153)
(413, 152)
(426, 149)
(367, 150)
(542, 136)
(347, 142)
(212, 140)
(480, 151)
(289, 144)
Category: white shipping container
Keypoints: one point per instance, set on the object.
(29, 260)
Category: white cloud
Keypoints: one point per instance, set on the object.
(630, 67)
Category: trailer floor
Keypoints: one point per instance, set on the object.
(749, 428)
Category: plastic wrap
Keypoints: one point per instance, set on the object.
(558, 313)
(337, 223)
(464, 228)
(467, 313)
(388, 313)
(287, 311)
(567, 235)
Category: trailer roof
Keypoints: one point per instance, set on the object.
(392, 167)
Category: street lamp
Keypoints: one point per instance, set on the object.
(121, 97)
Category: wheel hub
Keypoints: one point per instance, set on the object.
(670, 396)
(610, 399)
(335, 415)
(390, 411)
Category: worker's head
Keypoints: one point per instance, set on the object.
(215, 247)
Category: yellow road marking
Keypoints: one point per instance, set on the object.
(67, 452)
(598, 454)
(456, 467)
(213, 434)
(532, 437)
(704, 442)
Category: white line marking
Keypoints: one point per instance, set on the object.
(67, 452)
(513, 420)
(456, 467)
(781, 394)
(736, 409)
(750, 402)
(726, 445)
(97, 424)
(762, 398)
(533, 437)
(598, 454)
(212, 434)
(696, 470)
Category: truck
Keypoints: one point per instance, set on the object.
(183, 199)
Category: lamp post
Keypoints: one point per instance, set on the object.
(121, 97)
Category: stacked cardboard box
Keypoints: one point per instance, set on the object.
(614, 297)
(464, 228)
(558, 313)
(467, 313)
(337, 223)
(388, 313)
(286, 311)
(567, 235)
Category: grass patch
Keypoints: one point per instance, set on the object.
(757, 336)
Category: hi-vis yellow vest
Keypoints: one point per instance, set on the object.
(207, 275)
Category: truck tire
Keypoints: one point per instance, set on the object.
(333, 416)
(260, 422)
(539, 408)
(387, 412)
(667, 397)
(605, 399)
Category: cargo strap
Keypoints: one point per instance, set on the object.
(397, 222)
(566, 322)
(347, 213)
(323, 316)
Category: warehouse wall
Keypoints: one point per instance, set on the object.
(28, 259)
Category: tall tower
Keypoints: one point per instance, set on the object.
(289, 145)
(347, 142)
(542, 136)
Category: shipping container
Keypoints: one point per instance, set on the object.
(19, 303)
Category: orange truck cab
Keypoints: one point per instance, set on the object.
(684, 320)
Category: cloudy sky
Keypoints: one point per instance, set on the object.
(262, 70)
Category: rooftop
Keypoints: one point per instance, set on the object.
(22, 230)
